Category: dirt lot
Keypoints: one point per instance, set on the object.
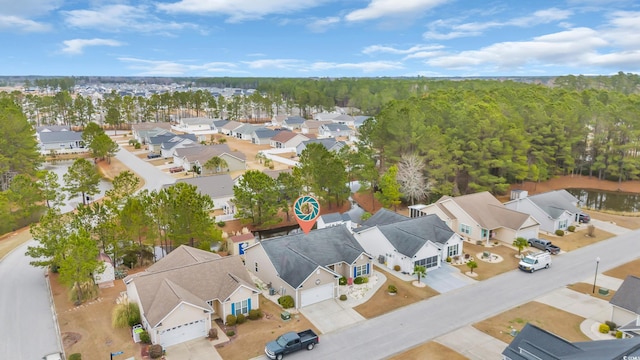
(485, 269)
(381, 302)
(252, 335)
(578, 239)
(430, 350)
(557, 321)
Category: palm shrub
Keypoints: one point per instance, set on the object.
(420, 270)
(520, 243)
(472, 265)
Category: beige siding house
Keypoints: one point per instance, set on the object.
(183, 292)
(480, 217)
(308, 266)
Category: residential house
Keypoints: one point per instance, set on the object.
(554, 210)
(481, 217)
(262, 136)
(293, 122)
(394, 239)
(332, 219)
(344, 119)
(244, 132)
(218, 187)
(312, 126)
(325, 116)
(359, 120)
(238, 243)
(140, 130)
(229, 127)
(535, 343)
(287, 139)
(61, 141)
(274, 174)
(218, 124)
(308, 266)
(169, 142)
(198, 156)
(334, 131)
(277, 120)
(196, 125)
(626, 306)
(183, 292)
(328, 143)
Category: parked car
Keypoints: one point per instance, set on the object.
(153, 156)
(54, 356)
(533, 262)
(291, 342)
(584, 218)
(176, 169)
(545, 245)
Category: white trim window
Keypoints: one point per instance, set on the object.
(465, 229)
(453, 250)
(241, 307)
(360, 270)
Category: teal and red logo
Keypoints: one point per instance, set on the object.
(306, 210)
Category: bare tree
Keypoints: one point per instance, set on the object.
(411, 178)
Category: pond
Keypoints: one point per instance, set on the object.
(60, 168)
(607, 200)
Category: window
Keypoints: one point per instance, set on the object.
(256, 263)
(428, 262)
(465, 229)
(452, 250)
(361, 270)
(241, 307)
(563, 224)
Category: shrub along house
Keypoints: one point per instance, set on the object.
(396, 240)
(308, 266)
(180, 294)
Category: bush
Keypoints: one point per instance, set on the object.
(76, 356)
(137, 146)
(392, 289)
(230, 333)
(343, 297)
(619, 334)
(286, 301)
(155, 351)
(448, 259)
(145, 338)
(611, 325)
(255, 314)
(213, 333)
(231, 320)
(604, 328)
(396, 267)
(571, 228)
(358, 280)
(221, 223)
(240, 319)
(342, 281)
(560, 232)
(365, 280)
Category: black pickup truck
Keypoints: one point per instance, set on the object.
(290, 342)
(545, 245)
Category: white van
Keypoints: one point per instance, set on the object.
(533, 262)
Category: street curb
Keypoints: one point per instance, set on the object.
(47, 280)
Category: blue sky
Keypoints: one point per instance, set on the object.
(308, 38)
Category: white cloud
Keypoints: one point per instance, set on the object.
(365, 67)
(173, 68)
(120, 18)
(454, 30)
(290, 64)
(28, 8)
(76, 46)
(385, 8)
(15, 23)
(388, 49)
(239, 10)
(321, 25)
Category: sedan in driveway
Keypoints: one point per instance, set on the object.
(153, 156)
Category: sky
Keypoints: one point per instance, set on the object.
(319, 38)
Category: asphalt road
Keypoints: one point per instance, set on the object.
(410, 326)
(153, 177)
(27, 328)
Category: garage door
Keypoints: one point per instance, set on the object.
(317, 294)
(182, 333)
(528, 233)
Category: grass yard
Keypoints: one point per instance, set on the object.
(559, 322)
(577, 239)
(485, 269)
(430, 350)
(585, 288)
(381, 302)
(629, 221)
(621, 272)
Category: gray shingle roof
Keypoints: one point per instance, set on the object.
(487, 210)
(264, 133)
(410, 235)
(545, 345)
(383, 217)
(294, 120)
(628, 295)
(555, 202)
(331, 218)
(59, 136)
(295, 257)
(215, 186)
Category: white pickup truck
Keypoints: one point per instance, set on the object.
(533, 262)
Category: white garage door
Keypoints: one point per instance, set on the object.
(182, 333)
(317, 294)
(528, 233)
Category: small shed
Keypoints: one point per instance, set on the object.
(236, 244)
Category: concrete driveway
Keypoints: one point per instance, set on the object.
(446, 278)
(193, 350)
(331, 315)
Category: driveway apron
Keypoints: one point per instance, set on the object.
(446, 278)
